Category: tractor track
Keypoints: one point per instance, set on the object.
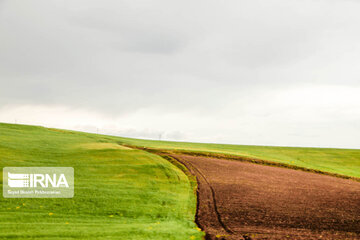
(192, 168)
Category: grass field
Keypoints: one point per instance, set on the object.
(339, 161)
(120, 193)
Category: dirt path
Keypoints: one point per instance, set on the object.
(239, 200)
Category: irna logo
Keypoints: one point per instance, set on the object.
(34, 180)
(38, 182)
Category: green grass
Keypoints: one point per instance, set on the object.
(338, 161)
(120, 193)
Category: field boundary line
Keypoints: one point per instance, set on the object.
(212, 194)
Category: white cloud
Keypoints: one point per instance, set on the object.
(280, 72)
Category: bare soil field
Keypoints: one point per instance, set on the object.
(240, 200)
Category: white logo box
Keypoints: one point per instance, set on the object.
(38, 182)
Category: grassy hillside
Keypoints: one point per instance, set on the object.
(340, 161)
(120, 193)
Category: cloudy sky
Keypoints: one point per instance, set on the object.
(278, 72)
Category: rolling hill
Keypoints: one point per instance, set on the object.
(120, 193)
(123, 191)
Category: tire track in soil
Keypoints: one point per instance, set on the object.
(193, 169)
(238, 200)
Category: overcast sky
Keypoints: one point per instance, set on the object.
(271, 72)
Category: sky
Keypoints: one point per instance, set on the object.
(270, 72)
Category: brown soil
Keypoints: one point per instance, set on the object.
(240, 200)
